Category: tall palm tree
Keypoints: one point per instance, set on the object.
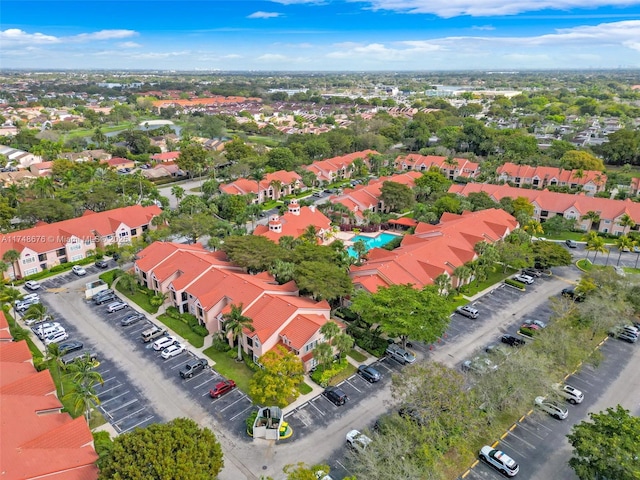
(626, 222)
(596, 245)
(330, 330)
(594, 219)
(443, 282)
(83, 397)
(53, 355)
(11, 257)
(276, 185)
(310, 234)
(11, 295)
(4, 266)
(37, 312)
(178, 192)
(462, 274)
(257, 176)
(43, 187)
(235, 323)
(624, 244)
(83, 372)
(343, 343)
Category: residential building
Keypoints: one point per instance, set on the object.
(41, 169)
(450, 167)
(295, 222)
(18, 158)
(39, 440)
(337, 168)
(634, 188)
(364, 198)
(87, 155)
(272, 187)
(206, 284)
(14, 178)
(165, 157)
(46, 245)
(547, 204)
(119, 163)
(591, 181)
(433, 250)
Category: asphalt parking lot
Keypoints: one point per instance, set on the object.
(64, 278)
(320, 411)
(538, 435)
(231, 408)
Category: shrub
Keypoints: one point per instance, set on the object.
(220, 345)
(173, 312)
(200, 330)
(250, 421)
(515, 283)
(324, 373)
(102, 442)
(232, 353)
(156, 300)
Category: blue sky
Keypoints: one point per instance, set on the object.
(320, 35)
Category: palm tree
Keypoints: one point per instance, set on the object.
(343, 343)
(53, 355)
(13, 193)
(594, 219)
(258, 176)
(329, 330)
(83, 397)
(235, 323)
(462, 273)
(360, 248)
(11, 296)
(3, 269)
(310, 234)
(323, 353)
(83, 372)
(596, 245)
(624, 244)
(43, 187)
(443, 282)
(283, 271)
(11, 257)
(37, 312)
(276, 185)
(178, 192)
(626, 222)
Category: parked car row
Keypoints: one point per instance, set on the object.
(628, 333)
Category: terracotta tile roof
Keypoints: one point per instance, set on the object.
(15, 352)
(5, 334)
(295, 225)
(323, 168)
(466, 168)
(405, 221)
(556, 202)
(37, 440)
(547, 174)
(165, 156)
(217, 100)
(85, 227)
(302, 328)
(432, 250)
(243, 186)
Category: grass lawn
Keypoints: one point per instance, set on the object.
(303, 388)
(356, 355)
(584, 264)
(14, 328)
(632, 270)
(108, 277)
(182, 329)
(494, 277)
(229, 368)
(577, 236)
(139, 298)
(343, 375)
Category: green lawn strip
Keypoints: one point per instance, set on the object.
(631, 270)
(343, 375)
(584, 264)
(17, 332)
(494, 277)
(356, 355)
(229, 368)
(182, 329)
(108, 277)
(139, 298)
(304, 389)
(577, 236)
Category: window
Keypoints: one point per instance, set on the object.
(74, 246)
(61, 252)
(87, 242)
(249, 342)
(200, 312)
(75, 258)
(256, 343)
(28, 260)
(310, 346)
(544, 213)
(42, 257)
(134, 232)
(184, 296)
(31, 271)
(124, 234)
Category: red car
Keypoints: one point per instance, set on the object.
(222, 388)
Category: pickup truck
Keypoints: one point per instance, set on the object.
(152, 332)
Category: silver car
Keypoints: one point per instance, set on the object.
(552, 408)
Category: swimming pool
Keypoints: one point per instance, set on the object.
(371, 242)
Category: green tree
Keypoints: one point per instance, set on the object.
(396, 196)
(301, 471)
(329, 331)
(513, 254)
(323, 353)
(178, 192)
(11, 257)
(277, 382)
(405, 312)
(179, 449)
(596, 245)
(581, 160)
(11, 295)
(283, 271)
(37, 312)
(256, 253)
(83, 397)
(343, 343)
(324, 281)
(594, 219)
(193, 226)
(192, 158)
(623, 244)
(550, 254)
(360, 248)
(606, 446)
(235, 324)
(626, 222)
(558, 224)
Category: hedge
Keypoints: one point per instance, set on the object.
(514, 283)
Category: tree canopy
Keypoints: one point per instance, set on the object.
(179, 449)
(277, 382)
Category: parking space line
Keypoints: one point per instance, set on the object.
(237, 415)
(130, 415)
(203, 383)
(105, 380)
(137, 424)
(118, 396)
(320, 411)
(108, 390)
(354, 387)
(180, 364)
(528, 430)
(523, 440)
(124, 405)
(232, 404)
(537, 423)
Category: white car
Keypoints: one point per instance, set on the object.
(56, 337)
(31, 322)
(78, 270)
(51, 331)
(43, 327)
(31, 285)
(569, 393)
(172, 351)
(552, 408)
(499, 460)
(357, 440)
(163, 342)
(524, 279)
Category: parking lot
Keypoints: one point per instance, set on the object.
(64, 278)
(539, 435)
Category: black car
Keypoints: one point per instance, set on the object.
(369, 373)
(68, 347)
(532, 272)
(131, 319)
(102, 264)
(335, 395)
(512, 341)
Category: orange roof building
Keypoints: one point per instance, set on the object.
(48, 244)
(547, 204)
(450, 168)
(591, 181)
(38, 439)
(165, 157)
(367, 197)
(433, 250)
(294, 223)
(202, 102)
(207, 285)
(337, 168)
(271, 187)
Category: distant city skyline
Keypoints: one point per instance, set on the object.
(320, 35)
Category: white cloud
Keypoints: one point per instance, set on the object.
(264, 15)
(104, 35)
(485, 8)
(129, 45)
(14, 36)
(483, 27)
